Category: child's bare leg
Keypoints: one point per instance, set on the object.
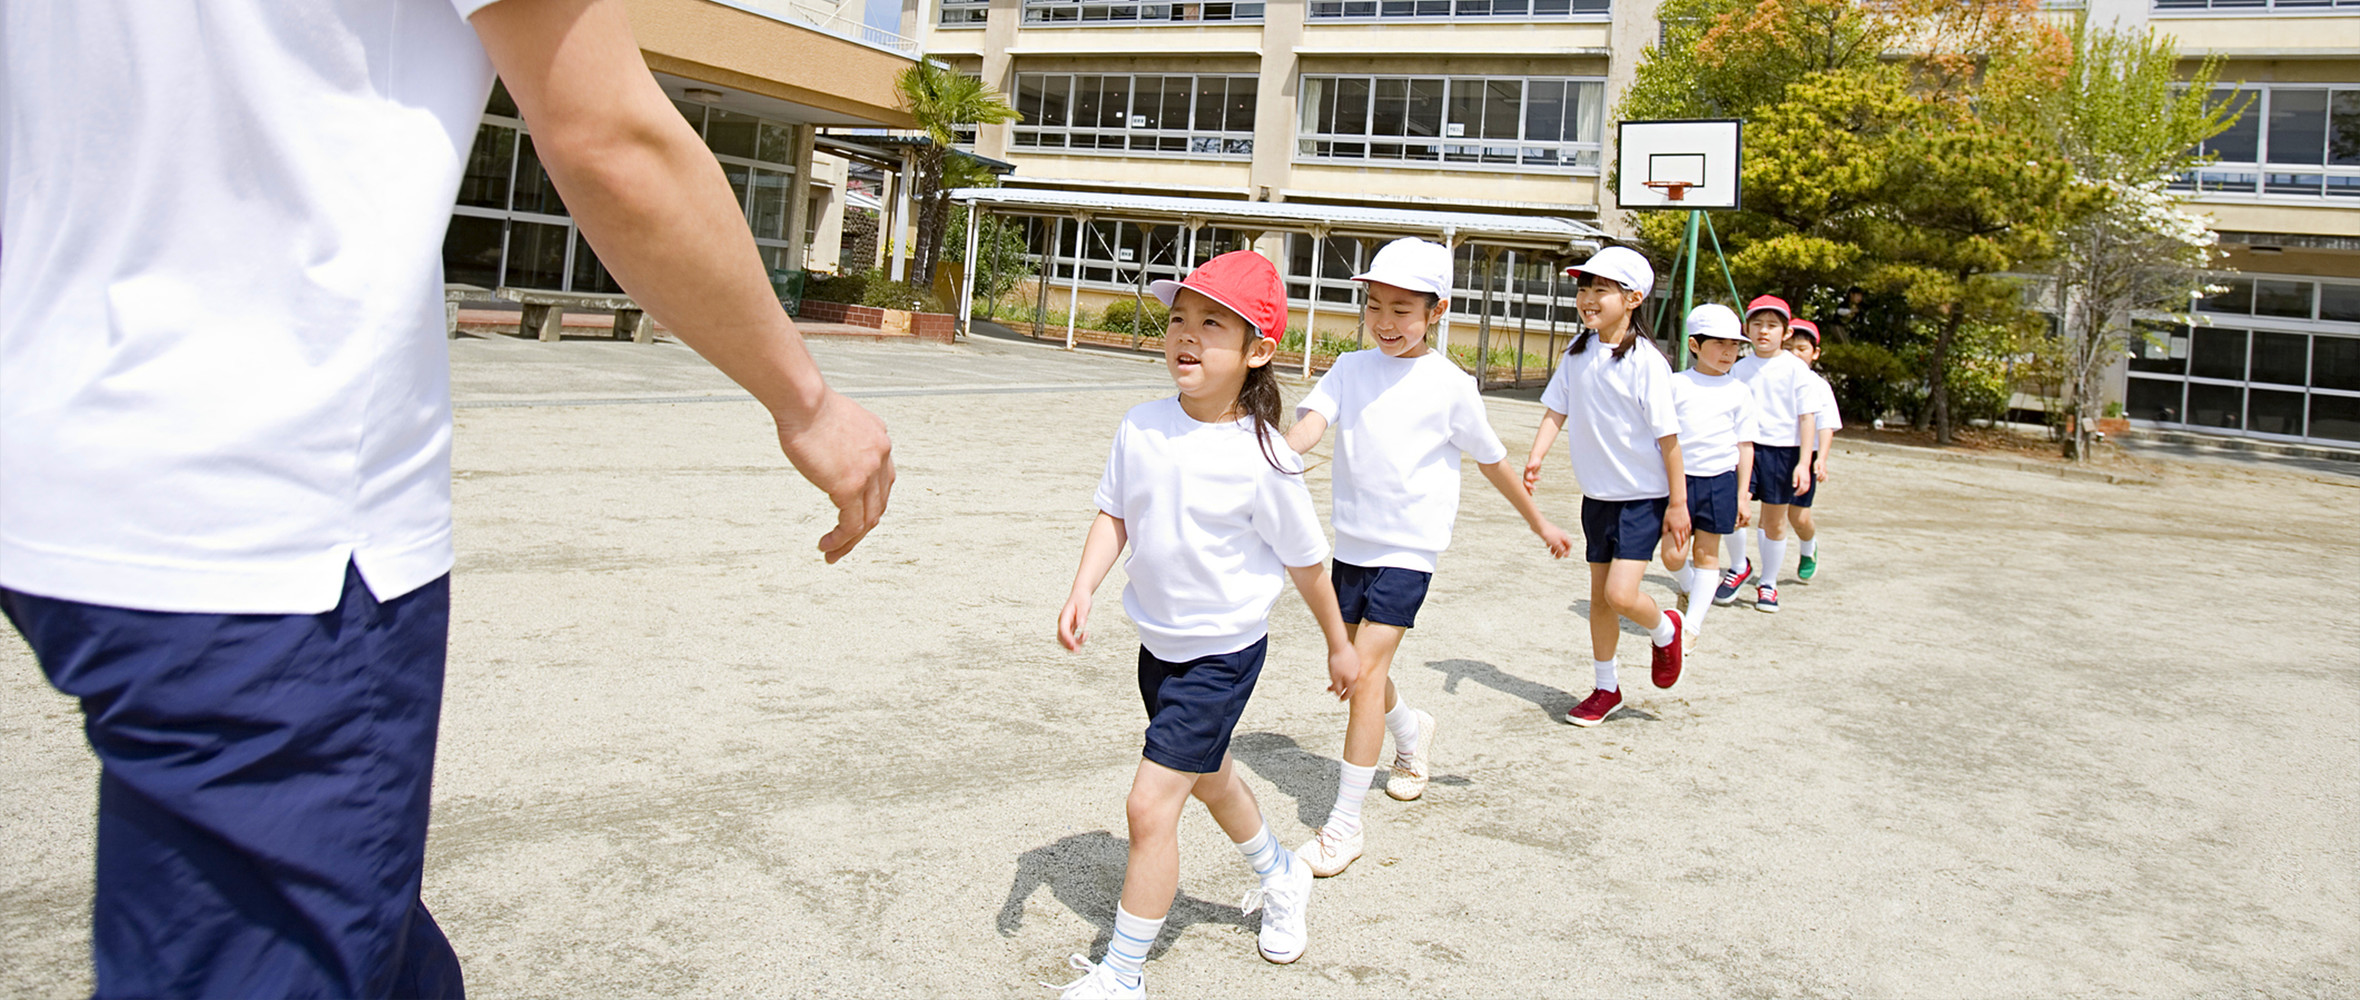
(1153, 810)
(1804, 529)
(1374, 695)
(1623, 594)
(1774, 522)
(1707, 549)
(1230, 800)
(1605, 630)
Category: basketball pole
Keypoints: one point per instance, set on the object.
(1688, 291)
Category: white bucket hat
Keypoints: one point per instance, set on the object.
(1621, 265)
(1412, 263)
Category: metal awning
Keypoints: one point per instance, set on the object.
(1514, 232)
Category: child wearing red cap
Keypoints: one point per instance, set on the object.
(1786, 425)
(1613, 399)
(1403, 413)
(1804, 345)
(1212, 505)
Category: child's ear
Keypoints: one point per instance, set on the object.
(1434, 315)
(1259, 350)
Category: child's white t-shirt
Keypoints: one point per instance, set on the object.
(1716, 413)
(1212, 528)
(1400, 425)
(1614, 413)
(1780, 384)
(1822, 403)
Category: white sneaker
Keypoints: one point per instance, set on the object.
(1098, 982)
(1282, 901)
(1411, 771)
(1329, 854)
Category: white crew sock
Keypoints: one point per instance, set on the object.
(1402, 722)
(1736, 547)
(1126, 952)
(1606, 681)
(1808, 548)
(1700, 601)
(1682, 576)
(1351, 791)
(1664, 631)
(1773, 556)
(1262, 851)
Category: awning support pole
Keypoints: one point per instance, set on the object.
(967, 282)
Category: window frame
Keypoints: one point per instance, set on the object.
(2265, 179)
(1474, 152)
(1225, 144)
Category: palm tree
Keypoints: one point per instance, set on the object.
(941, 99)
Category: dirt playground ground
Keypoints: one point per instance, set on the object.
(2025, 736)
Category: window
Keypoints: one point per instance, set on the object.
(2292, 141)
(957, 13)
(1552, 123)
(510, 228)
(1522, 293)
(1122, 255)
(1459, 10)
(2258, 6)
(1135, 12)
(1173, 114)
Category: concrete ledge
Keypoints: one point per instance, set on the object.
(2314, 452)
(2057, 469)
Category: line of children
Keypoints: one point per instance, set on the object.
(1717, 414)
(1212, 505)
(1612, 397)
(1804, 345)
(1402, 414)
(1785, 425)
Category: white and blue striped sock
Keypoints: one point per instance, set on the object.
(1262, 851)
(1126, 953)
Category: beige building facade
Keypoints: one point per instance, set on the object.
(756, 79)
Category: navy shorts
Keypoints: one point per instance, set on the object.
(262, 792)
(1622, 529)
(1712, 503)
(1805, 499)
(1774, 473)
(1387, 595)
(1192, 707)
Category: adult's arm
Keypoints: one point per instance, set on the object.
(653, 202)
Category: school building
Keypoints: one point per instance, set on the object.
(757, 79)
(1502, 106)
(2277, 355)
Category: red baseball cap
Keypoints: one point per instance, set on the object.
(1806, 328)
(1242, 280)
(1772, 303)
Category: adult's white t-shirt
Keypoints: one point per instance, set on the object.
(1400, 425)
(1615, 411)
(222, 369)
(1716, 413)
(1780, 384)
(1212, 527)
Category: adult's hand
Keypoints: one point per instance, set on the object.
(843, 450)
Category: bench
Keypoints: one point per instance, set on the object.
(452, 296)
(544, 313)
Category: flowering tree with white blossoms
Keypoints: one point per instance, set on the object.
(2128, 125)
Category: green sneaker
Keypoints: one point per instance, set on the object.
(1810, 566)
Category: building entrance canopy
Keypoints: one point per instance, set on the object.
(1512, 232)
(1490, 232)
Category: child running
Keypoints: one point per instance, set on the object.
(1784, 423)
(1717, 453)
(1804, 345)
(1214, 509)
(1613, 399)
(1402, 415)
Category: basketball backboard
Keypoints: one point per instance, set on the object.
(1677, 164)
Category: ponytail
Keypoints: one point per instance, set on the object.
(1260, 400)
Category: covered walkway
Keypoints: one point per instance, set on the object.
(1250, 221)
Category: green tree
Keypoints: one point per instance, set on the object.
(1879, 154)
(942, 100)
(2127, 123)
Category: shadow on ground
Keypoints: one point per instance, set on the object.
(1085, 872)
(1553, 703)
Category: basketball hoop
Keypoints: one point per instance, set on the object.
(1672, 190)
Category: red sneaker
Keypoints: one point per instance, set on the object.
(1594, 709)
(1667, 656)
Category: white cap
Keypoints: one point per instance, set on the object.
(1621, 265)
(1714, 321)
(1412, 263)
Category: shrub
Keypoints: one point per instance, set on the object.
(1131, 318)
(1868, 380)
(871, 288)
